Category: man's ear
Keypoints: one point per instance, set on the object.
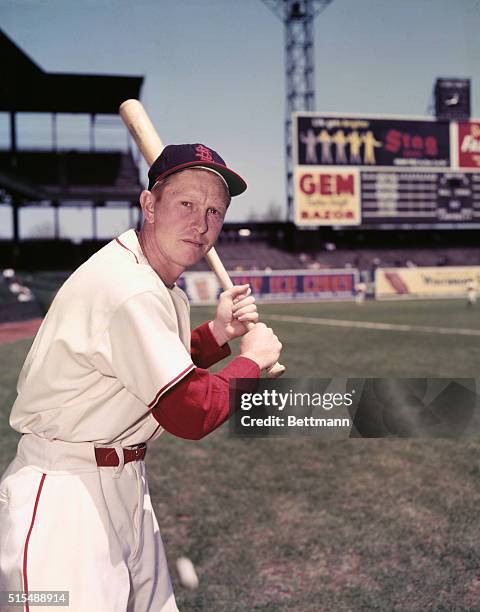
(147, 202)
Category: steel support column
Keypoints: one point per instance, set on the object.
(298, 17)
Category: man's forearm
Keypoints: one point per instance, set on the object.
(199, 403)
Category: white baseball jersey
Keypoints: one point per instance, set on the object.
(114, 340)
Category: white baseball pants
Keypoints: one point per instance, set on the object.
(68, 525)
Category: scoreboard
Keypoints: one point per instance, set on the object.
(420, 197)
(385, 171)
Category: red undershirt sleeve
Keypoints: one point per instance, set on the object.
(204, 349)
(199, 403)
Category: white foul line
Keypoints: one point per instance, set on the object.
(369, 325)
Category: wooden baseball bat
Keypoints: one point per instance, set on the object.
(150, 146)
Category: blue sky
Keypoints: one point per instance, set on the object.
(214, 69)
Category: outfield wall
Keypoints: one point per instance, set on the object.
(203, 288)
(441, 282)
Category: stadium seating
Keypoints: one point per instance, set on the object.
(12, 306)
(254, 256)
(63, 174)
(373, 258)
(259, 255)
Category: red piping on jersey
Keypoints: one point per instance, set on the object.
(25, 550)
(125, 247)
(154, 432)
(168, 385)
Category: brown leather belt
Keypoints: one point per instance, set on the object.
(107, 457)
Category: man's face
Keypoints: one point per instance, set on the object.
(184, 219)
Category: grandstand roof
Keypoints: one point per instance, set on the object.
(25, 87)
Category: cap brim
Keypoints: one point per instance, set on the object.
(236, 184)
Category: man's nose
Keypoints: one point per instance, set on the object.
(200, 222)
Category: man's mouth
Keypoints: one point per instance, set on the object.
(194, 243)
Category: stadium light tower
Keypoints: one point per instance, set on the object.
(298, 17)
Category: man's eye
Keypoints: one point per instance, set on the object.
(214, 211)
(186, 204)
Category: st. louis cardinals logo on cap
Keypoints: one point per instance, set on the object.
(175, 158)
(204, 153)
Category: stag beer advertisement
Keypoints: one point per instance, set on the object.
(324, 197)
(469, 144)
(341, 141)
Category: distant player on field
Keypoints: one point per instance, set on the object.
(471, 294)
(361, 290)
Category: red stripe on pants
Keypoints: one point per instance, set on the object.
(25, 550)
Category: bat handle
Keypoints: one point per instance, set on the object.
(277, 369)
(213, 260)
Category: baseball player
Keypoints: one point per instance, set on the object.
(471, 294)
(113, 365)
(361, 290)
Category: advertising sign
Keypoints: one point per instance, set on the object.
(203, 287)
(469, 144)
(327, 197)
(342, 141)
(299, 284)
(442, 282)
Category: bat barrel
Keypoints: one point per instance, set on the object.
(142, 130)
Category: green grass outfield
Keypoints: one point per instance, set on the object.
(299, 525)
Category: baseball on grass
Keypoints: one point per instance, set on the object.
(186, 573)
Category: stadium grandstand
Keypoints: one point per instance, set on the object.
(56, 176)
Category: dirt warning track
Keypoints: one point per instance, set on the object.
(19, 330)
